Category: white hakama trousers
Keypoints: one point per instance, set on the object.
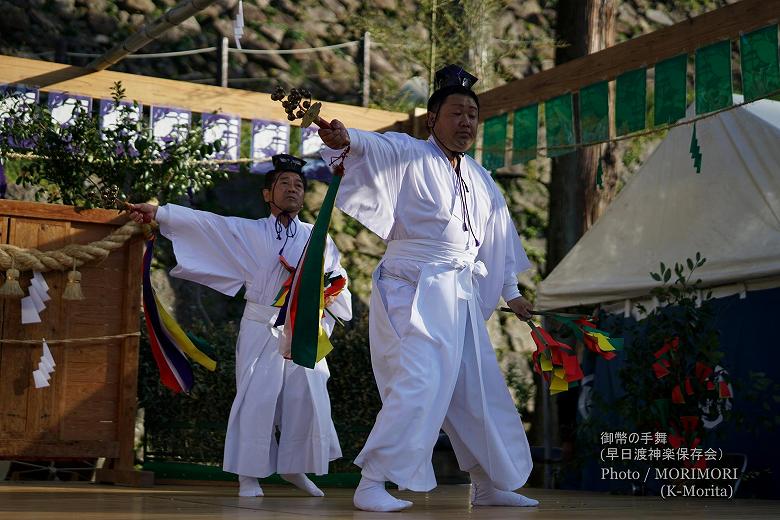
(274, 393)
(435, 368)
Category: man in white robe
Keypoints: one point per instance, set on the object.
(226, 253)
(452, 250)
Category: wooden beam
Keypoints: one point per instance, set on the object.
(20, 208)
(29, 449)
(726, 23)
(48, 76)
(644, 51)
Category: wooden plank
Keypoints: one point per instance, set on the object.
(128, 366)
(82, 429)
(4, 225)
(92, 372)
(85, 398)
(19, 208)
(98, 409)
(147, 90)
(79, 415)
(219, 501)
(15, 384)
(27, 411)
(94, 353)
(125, 477)
(43, 403)
(643, 51)
(31, 448)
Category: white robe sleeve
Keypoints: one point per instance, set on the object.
(342, 305)
(372, 177)
(503, 254)
(210, 249)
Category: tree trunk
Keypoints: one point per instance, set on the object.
(586, 26)
(575, 202)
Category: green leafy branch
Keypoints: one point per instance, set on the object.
(87, 166)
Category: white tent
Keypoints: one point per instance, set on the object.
(730, 212)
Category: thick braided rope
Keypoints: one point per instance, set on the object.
(65, 258)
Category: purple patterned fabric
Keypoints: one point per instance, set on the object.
(169, 124)
(315, 167)
(269, 138)
(228, 130)
(109, 119)
(66, 107)
(16, 97)
(3, 181)
(110, 113)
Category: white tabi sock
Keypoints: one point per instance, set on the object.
(371, 495)
(249, 487)
(301, 481)
(483, 493)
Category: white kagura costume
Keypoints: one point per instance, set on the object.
(432, 292)
(226, 253)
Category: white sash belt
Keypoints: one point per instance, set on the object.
(439, 257)
(263, 313)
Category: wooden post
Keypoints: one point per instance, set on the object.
(366, 67)
(61, 51)
(432, 62)
(222, 67)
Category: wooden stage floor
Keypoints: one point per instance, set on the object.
(83, 501)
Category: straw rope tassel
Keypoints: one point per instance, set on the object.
(11, 287)
(73, 287)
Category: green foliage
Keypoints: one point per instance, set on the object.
(459, 32)
(83, 165)
(520, 385)
(189, 428)
(353, 392)
(680, 314)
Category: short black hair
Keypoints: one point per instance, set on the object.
(270, 178)
(440, 96)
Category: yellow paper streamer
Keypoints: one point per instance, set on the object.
(604, 343)
(324, 345)
(558, 385)
(181, 339)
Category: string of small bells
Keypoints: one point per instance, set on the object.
(296, 104)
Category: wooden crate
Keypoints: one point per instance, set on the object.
(89, 409)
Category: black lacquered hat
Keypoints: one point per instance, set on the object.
(284, 162)
(453, 76)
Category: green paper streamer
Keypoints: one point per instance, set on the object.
(695, 151)
(631, 102)
(525, 135)
(594, 113)
(713, 77)
(669, 92)
(662, 407)
(307, 322)
(560, 125)
(760, 68)
(494, 143)
(202, 345)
